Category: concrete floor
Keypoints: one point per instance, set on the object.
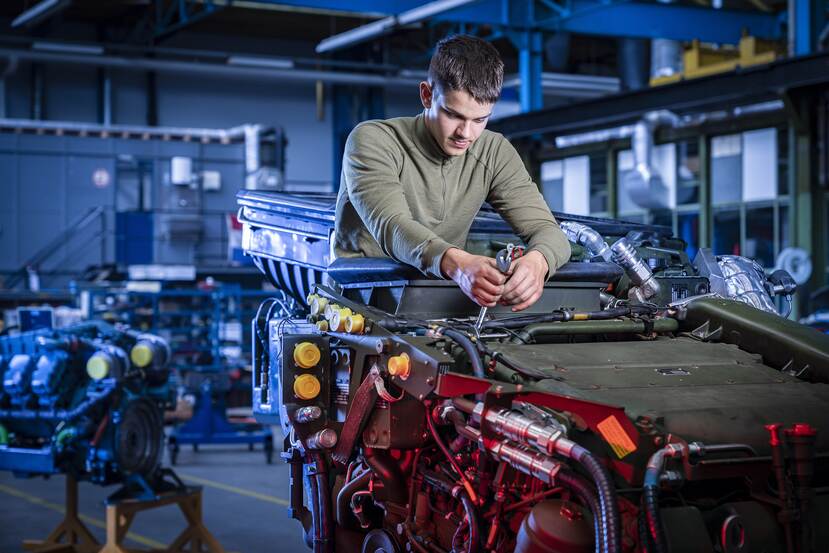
(244, 505)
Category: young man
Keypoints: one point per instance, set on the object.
(411, 186)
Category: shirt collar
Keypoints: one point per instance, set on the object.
(427, 144)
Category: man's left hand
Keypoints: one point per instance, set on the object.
(526, 281)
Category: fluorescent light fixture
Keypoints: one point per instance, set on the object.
(253, 61)
(40, 11)
(68, 48)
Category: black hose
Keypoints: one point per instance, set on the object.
(344, 497)
(645, 543)
(650, 498)
(608, 504)
(471, 351)
(584, 491)
(323, 525)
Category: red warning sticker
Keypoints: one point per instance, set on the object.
(615, 435)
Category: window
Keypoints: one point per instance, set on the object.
(576, 185)
(750, 217)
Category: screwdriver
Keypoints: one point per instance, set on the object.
(503, 260)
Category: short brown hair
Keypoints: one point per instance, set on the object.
(468, 63)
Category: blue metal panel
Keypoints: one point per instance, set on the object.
(134, 238)
(38, 143)
(133, 147)
(8, 142)
(91, 145)
(628, 19)
(672, 21)
(228, 152)
(41, 184)
(9, 251)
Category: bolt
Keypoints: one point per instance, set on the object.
(430, 380)
(400, 529)
(658, 440)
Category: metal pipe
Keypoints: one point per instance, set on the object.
(626, 256)
(170, 66)
(585, 236)
(386, 24)
(574, 328)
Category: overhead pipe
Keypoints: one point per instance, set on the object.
(385, 25)
(170, 66)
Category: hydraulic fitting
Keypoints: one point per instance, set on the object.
(645, 286)
(324, 439)
(309, 413)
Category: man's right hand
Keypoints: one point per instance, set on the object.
(477, 275)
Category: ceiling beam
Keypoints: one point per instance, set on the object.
(40, 12)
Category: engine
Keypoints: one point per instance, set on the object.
(644, 403)
(86, 400)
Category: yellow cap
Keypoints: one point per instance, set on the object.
(141, 355)
(311, 298)
(337, 321)
(97, 367)
(399, 366)
(318, 305)
(306, 355)
(355, 324)
(322, 325)
(306, 386)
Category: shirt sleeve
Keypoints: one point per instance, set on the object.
(517, 199)
(371, 168)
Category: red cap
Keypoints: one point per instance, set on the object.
(775, 437)
(801, 429)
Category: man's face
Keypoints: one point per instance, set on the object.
(454, 118)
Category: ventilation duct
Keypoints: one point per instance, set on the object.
(644, 185)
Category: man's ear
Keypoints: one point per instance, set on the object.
(425, 95)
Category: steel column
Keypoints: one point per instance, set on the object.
(530, 66)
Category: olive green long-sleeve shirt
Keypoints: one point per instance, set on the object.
(402, 197)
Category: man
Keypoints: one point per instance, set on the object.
(411, 186)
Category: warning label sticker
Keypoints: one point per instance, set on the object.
(615, 435)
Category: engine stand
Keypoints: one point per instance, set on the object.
(71, 535)
(195, 537)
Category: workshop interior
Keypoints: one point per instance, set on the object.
(186, 364)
